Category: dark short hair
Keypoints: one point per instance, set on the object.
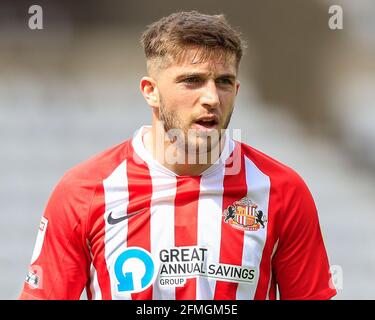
(169, 36)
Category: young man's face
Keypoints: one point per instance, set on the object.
(197, 95)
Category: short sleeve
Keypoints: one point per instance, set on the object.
(60, 262)
(300, 264)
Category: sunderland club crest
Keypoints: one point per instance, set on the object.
(244, 215)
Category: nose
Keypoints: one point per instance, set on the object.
(210, 96)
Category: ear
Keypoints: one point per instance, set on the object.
(150, 91)
(237, 86)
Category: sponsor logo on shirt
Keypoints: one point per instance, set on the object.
(245, 215)
(135, 269)
(181, 263)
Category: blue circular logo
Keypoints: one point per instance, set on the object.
(126, 279)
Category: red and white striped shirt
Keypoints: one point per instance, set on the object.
(130, 229)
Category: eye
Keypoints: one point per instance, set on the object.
(224, 81)
(192, 80)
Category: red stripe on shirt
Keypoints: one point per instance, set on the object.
(98, 242)
(232, 240)
(265, 269)
(140, 192)
(186, 225)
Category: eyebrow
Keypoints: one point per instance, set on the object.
(201, 74)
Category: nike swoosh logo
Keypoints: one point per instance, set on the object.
(112, 220)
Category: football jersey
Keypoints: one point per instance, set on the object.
(123, 226)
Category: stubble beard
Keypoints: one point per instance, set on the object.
(177, 131)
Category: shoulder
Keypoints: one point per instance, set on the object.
(288, 191)
(71, 201)
(99, 166)
(280, 174)
(76, 189)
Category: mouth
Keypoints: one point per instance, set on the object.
(206, 123)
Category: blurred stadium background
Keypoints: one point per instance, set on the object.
(307, 98)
